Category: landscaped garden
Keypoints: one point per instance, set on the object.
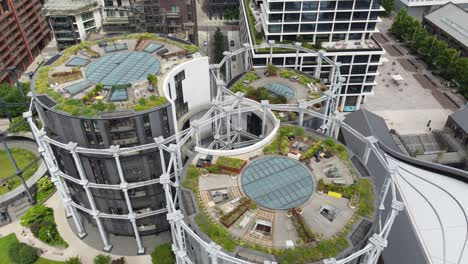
(12, 251)
(45, 188)
(25, 160)
(278, 92)
(40, 220)
(90, 106)
(310, 246)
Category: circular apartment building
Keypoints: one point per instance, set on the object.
(99, 96)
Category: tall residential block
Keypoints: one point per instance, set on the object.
(23, 34)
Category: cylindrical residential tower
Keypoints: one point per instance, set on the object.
(112, 103)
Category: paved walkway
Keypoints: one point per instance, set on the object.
(76, 246)
(406, 107)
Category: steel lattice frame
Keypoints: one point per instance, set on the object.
(225, 106)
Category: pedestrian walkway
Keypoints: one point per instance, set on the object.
(76, 246)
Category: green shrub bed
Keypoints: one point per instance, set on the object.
(302, 229)
(229, 219)
(163, 255)
(40, 220)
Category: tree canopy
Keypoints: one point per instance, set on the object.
(435, 52)
(218, 45)
(10, 94)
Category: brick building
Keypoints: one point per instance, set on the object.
(23, 33)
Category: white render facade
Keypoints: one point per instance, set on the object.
(319, 21)
(343, 28)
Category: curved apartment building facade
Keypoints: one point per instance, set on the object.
(124, 129)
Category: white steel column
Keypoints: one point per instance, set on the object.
(264, 104)
(124, 188)
(246, 57)
(84, 182)
(302, 107)
(48, 159)
(319, 64)
(298, 45)
(370, 141)
(272, 43)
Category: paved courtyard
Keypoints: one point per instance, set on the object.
(410, 104)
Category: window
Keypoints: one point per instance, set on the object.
(343, 16)
(358, 26)
(375, 58)
(89, 24)
(310, 6)
(119, 2)
(362, 4)
(345, 4)
(354, 89)
(367, 89)
(322, 38)
(372, 69)
(291, 17)
(370, 79)
(109, 3)
(274, 28)
(293, 6)
(361, 58)
(276, 6)
(338, 37)
(371, 26)
(355, 36)
(326, 16)
(309, 17)
(181, 105)
(4, 6)
(290, 28)
(174, 9)
(360, 15)
(276, 17)
(324, 27)
(358, 69)
(87, 16)
(307, 27)
(327, 5)
(341, 27)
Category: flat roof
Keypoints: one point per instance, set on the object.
(437, 208)
(69, 7)
(452, 19)
(461, 118)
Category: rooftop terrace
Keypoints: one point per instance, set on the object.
(101, 76)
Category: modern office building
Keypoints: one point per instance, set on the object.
(216, 8)
(175, 17)
(24, 33)
(115, 16)
(71, 21)
(119, 194)
(449, 23)
(419, 8)
(342, 29)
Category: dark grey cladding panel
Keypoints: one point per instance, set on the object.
(46, 100)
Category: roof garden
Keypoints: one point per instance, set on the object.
(300, 200)
(101, 76)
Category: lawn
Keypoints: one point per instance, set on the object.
(7, 241)
(23, 158)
